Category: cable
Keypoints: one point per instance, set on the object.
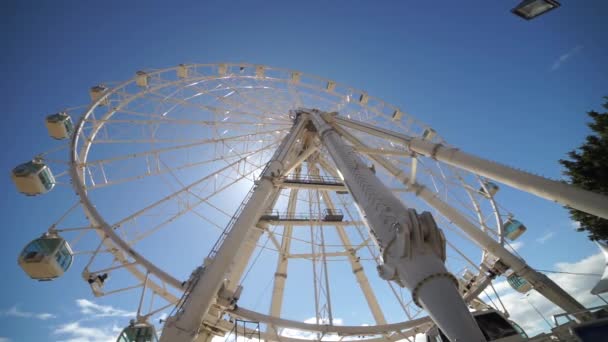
(572, 273)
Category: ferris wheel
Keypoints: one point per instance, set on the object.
(215, 192)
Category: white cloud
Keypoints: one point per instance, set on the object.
(563, 58)
(83, 330)
(309, 335)
(521, 309)
(515, 246)
(575, 224)
(4, 339)
(75, 332)
(545, 237)
(16, 312)
(89, 308)
(501, 287)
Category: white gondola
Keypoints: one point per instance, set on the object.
(397, 114)
(33, 178)
(491, 188)
(97, 92)
(259, 71)
(363, 99)
(142, 78)
(182, 71)
(138, 332)
(512, 229)
(428, 134)
(295, 77)
(46, 258)
(59, 125)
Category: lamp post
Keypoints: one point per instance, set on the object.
(530, 9)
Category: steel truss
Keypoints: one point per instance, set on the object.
(320, 159)
(413, 247)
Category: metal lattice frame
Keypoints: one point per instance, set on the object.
(205, 129)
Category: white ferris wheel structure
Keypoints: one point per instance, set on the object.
(223, 192)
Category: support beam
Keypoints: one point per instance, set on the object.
(565, 194)
(280, 275)
(412, 244)
(312, 148)
(244, 253)
(357, 268)
(185, 325)
(541, 283)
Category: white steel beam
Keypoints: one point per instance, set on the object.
(280, 275)
(568, 195)
(246, 251)
(312, 148)
(411, 243)
(186, 323)
(357, 267)
(541, 283)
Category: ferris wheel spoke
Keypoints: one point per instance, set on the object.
(170, 121)
(157, 171)
(154, 152)
(150, 161)
(205, 108)
(189, 208)
(176, 193)
(236, 90)
(189, 104)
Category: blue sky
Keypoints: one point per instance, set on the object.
(487, 81)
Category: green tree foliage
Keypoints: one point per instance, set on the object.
(587, 168)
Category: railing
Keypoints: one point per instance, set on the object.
(309, 179)
(244, 331)
(570, 318)
(328, 215)
(230, 224)
(196, 275)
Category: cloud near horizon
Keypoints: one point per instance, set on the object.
(14, 311)
(96, 310)
(521, 308)
(76, 332)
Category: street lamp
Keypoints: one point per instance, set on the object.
(530, 9)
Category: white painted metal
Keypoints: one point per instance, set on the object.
(574, 197)
(352, 330)
(357, 267)
(185, 325)
(541, 283)
(280, 275)
(189, 76)
(406, 254)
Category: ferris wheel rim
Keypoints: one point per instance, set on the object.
(104, 229)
